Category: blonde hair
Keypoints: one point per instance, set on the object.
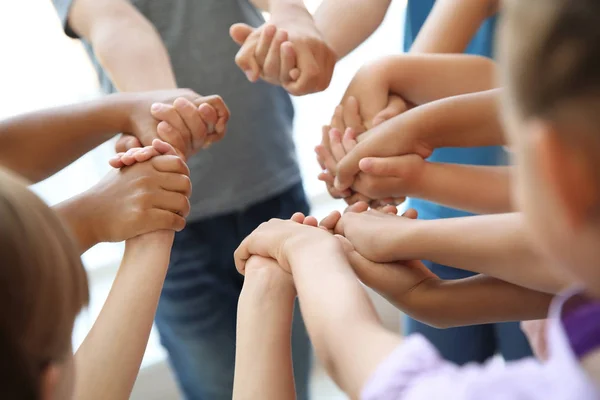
(43, 285)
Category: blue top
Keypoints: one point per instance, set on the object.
(482, 44)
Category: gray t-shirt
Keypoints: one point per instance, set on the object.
(256, 159)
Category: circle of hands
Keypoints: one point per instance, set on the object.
(361, 162)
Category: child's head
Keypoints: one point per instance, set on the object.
(551, 73)
(43, 287)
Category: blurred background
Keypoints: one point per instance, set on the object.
(42, 68)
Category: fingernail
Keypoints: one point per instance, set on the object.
(250, 75)
(365, 163)
(155, 107)
(206, 145)
(337, 184)
(210, 128)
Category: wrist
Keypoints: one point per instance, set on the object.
(296, 249)
(73, 213)
(269, 282)
(122, 107)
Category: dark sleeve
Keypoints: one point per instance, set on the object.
(63, 7)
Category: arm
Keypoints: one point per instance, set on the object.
(468, 120)
(264, 321)
(452, 24)
(123, 39)
(477, 189)
(109, 359)
(345, 24)
(54, 138)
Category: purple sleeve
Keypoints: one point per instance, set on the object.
(415, 370)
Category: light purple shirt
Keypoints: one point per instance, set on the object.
(415, 370)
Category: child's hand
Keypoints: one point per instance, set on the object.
(138, 199)
(370, 90)
(181, 117)
(364, 230)
(278, 239)
(141, 154)
(394, 281)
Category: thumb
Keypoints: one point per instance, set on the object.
(163, 147)
(346, 244)
(240, 32)
(163, 220)
(127, 142)
(388, 166)
(396, 105)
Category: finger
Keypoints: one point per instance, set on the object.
(410, 213)
(145, 154)
(170, 135)
(264, 44)
(396, 106)
(330, 221)
(328, 179)
(220, 107)
(358, 207)
(193, 122)
(325, 137)
(399, 167)
(351, 114)
(164, 220)
(311, 221)
(287, 62)
(337, 149)
(327, 158)
(298, 217)
(337, 121)
(294, 74)
(309, 72)
(116, 162)
(271, 66)
(127, 142)
(240, 32)
(163, 147)
(377, 188)
(168, 163)
(170, 114)
(129, 157)
(389, 209)
(245, 57)
(209, 116)
(178, 183)
(349, 140)
(172, 201)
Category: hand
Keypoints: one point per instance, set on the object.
(180, 117)
(536, 334)
(363, 231)
(134, 200)
(277, 238)
(394, 281)
(384, 140)
(370, 90)
(141, 154)
(390, 178)
(267, 53)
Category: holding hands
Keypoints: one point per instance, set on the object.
(182, 118)
(288, 51)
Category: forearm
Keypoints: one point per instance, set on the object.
(477, 189)
(468, 120)
(345, 24)
(420, 79)
(339, 316)
(52, 139)
(451, 25)
(471, 301)
(494, 245)
(126, 44)
(109, 359)
(73, 212)
(263, 348)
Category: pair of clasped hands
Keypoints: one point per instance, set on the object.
(357, 154)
